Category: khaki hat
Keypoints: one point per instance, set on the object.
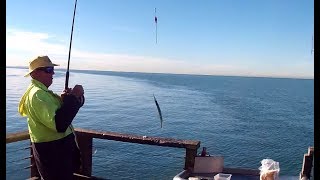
(40, 61)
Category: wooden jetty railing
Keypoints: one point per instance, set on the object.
(85, 141)
(307, 166)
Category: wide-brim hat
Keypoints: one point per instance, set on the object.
(40, 61)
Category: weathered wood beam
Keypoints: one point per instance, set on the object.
(19, 136)
(190, 159)
(243, 171)
(85, 145)
(34, 170)
(169, 142)
(307, 164)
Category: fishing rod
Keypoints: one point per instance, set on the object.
(81, 99)
(67, 73)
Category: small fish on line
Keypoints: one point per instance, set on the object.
(159, 110)
(156, 21)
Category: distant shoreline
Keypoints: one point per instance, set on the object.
(87, 71)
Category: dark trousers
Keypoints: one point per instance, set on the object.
(57, 160)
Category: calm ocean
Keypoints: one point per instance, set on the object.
(244, 119)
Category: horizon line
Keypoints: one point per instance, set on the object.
(246, 76)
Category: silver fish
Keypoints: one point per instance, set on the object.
(159, 110)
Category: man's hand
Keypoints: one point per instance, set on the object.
(65, 92)
(77, 91)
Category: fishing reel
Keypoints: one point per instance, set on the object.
(77, 94)
(81, 100)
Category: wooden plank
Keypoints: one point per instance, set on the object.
(310, 151)
(77, 176)
(241, 171)
(83, 177)
(33, 178)
(80, 176)
(307, 164)
(34, 170)
(19, 136)
(85, 145)
(159, 141)
(168, 142)
(190, 159)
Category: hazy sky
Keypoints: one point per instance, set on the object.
(219, 37)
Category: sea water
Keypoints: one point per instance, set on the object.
(244, 119)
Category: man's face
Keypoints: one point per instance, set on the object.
(44, 75)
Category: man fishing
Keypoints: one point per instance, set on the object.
(49, 119)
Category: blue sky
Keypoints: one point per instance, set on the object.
(220, 37)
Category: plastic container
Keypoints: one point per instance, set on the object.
(222, 176)
(269, 169)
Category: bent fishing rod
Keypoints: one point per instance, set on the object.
(82, 99)
(67, 73)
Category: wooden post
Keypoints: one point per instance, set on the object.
(85, 145)
(33, 168)
(307, 164)
(190, 158)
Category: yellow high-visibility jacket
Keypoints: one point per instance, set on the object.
(40, 105)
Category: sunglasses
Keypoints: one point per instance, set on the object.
(48, 70)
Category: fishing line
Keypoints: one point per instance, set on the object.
(154, 98)
(156, 21)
